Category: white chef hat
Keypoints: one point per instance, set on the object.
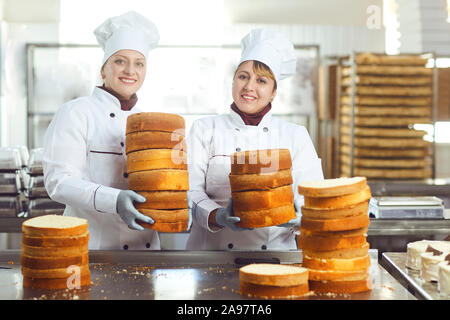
(130, 31)
(271, 48)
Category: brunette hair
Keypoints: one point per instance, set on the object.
(262, 70)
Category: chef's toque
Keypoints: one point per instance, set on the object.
(271, 48)
(129, 31)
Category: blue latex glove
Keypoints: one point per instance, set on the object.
(127, 211)
(225, 217)
(295, 222)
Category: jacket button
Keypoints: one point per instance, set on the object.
(112, 115)
(122, 144)
(237, 129)
(265, 129)
(263, 247)
(125, 247)
(238, 149)
(148, 245)
(230, 246)
(125, 175)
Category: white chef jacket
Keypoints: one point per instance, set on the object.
(85, 168)
(210, 143)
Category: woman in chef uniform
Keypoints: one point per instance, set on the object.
(267, 57)
(84, 150)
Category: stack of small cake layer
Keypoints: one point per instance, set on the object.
(51, 246)
(432, 259)
(261, 187)
(157, 168)
(333, 234)
(273, 281)
(414, 251)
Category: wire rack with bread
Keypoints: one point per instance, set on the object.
(381, 98)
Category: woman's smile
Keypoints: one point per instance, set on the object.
(248, 98)
(127, 81)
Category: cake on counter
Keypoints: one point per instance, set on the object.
(55, 252)
(273, 281)
(415, 249)
(444, 276)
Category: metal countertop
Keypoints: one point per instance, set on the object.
(377, 227)
(395, 264)
(178, 275)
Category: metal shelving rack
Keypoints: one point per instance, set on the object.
(349, 60)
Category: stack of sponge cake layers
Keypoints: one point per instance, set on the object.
(157, 168)
(261, 187)
(333, 234)
(55, 252)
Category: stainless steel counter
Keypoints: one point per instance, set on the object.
(395, 264)
(377, 227)
(207, 275)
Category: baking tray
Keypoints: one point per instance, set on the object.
(178, 275)
(9, 206)
(36, 188)
(395, 264)
(35, 162)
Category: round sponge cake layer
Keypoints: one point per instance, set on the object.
(55, 225)
(332, 187)
(155, 121)
(273, 274)
(260, 161)
(143, 140)
(159, 180)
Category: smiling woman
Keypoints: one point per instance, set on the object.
(267, 57)
(84, 149)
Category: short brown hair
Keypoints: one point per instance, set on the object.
(262, 70)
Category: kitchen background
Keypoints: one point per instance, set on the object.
(49, 56)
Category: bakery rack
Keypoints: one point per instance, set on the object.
(379, 99)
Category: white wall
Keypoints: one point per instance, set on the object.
(22, 21)
(31, 11)
(14, 90)
(318, 12)
(332, 39)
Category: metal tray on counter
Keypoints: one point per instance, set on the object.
(35, 162)
(36, 188)
(179, 275)
(43, 206)
(9, 207)
(10, 183)
(395, 264)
